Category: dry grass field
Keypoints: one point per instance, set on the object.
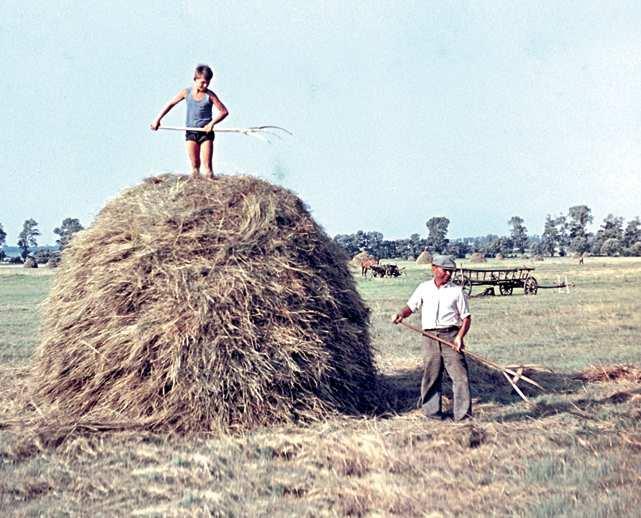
(574, 450)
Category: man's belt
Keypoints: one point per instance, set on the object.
(442, 329)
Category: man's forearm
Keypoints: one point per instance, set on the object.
(465, 327)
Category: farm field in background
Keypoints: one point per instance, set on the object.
(573, 450)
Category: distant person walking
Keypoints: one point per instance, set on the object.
(445, 313)
(200, 101)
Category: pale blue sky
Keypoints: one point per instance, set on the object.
(401, 110)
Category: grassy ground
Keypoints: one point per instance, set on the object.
(574, 450)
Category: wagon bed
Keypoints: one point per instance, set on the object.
(505, 278)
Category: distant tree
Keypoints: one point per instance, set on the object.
(550, 236)
(611, 228)
(386, 249)
(66, 231)
(416, 245)
(42, 255)
(483, 243)
(27, 237)
(635, 249)
(564, 238)
(501, 245)
(518, 234)
(3, 238)
(578, 218)
(348, 243)
(611, 246)
(371, 242)
(631, 234)
(577, 221)
(457, 248)
(437, 232)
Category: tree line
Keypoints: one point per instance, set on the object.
(28, 240)
(562, 234)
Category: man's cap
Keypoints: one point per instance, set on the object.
(444, 261)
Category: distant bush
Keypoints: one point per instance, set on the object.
(42, 255)
(635, 249)
(611, 247)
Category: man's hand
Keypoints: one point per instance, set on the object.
(458, 343)
(209, 127)
(155, 125)
(401, 315)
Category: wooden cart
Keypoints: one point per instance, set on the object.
(505, 278)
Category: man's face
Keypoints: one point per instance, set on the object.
(441, 275)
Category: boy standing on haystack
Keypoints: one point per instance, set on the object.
(445, 313)
(200, 101)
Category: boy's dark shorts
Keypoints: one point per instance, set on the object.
(199, 136)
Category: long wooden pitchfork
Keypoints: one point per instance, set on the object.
(513, 373)
(253, 131)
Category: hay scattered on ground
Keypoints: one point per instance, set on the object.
(424, 258)
(611, 373)
(196, 306)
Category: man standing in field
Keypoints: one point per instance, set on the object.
(445, 313)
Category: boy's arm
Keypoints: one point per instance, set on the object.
(222, 111)
(165, 109)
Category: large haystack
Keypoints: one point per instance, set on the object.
(198, 305)
(424, 258)
(477, 257)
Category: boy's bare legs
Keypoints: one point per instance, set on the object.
(207, 150)
(193, 152)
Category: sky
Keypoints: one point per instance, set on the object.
(401, 110)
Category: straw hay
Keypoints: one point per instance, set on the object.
(424, 258)
(477, 257)
(610, 373)
(499, 257)
(196, 306)
(30, 262)
(360, 257)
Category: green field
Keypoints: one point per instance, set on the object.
(574, 450)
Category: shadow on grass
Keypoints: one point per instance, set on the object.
(401, 390)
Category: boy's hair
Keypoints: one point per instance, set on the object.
(205, 71)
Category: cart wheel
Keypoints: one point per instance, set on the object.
(467, 286)
(530, 286)
(506, 289)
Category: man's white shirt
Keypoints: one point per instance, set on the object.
(441, 307)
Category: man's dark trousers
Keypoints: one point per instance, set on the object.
(436, 356)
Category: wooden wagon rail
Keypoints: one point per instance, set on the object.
(505, 278)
